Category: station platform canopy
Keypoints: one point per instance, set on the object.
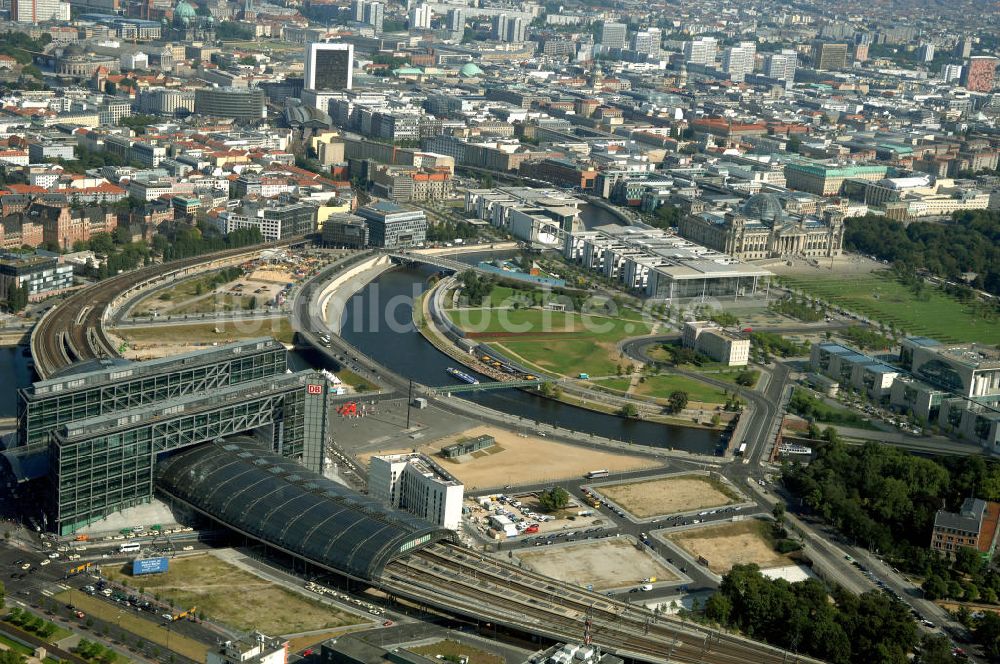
(281, 503)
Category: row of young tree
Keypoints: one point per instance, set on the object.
(969, 244)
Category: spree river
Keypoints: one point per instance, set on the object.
(377, 320)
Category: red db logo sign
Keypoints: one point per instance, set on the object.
(314, 389)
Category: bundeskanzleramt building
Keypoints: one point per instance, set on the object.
(968, 375)
(760, 228)
(708, 338)
(853, 369)
(409, 482)
(974, 526)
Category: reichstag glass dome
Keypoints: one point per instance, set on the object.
(763, 207)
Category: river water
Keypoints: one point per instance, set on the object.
(377, 321)
(14, 373)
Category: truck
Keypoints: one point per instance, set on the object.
(584, 376)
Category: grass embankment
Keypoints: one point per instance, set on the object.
(806, 404)
(207, 333)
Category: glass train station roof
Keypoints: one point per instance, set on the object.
(277, 501)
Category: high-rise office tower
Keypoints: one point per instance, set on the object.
(926, 52)
(329, 66)
(781, 65)
(510, 29)
(420, 17)
(963, 48)
(456, 20)
(613, 35)
(646, 41)
(979, 74)
(829, 56)
(737, 61)
(374, 15)
(34, 11)
(358, 10)
(701, 51)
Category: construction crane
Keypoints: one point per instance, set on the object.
(189, 614)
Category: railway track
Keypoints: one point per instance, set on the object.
(489, 589)
(72, 331)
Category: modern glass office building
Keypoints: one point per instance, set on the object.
(103, 464)
(108, 386)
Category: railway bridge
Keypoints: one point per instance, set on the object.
(74, 330)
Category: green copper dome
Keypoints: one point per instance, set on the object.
(470, 70)
(184, 10)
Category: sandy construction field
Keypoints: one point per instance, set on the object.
(731, 544)
(610, 563)
(518, 460)
(669, 495)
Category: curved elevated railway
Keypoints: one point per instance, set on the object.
(486, 589)
(73, 330)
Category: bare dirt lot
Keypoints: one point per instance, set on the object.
(669, 495)
(732, 544)
(525, 460)
(611, 563)
(207, 583)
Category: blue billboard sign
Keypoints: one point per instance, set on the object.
(149, 566)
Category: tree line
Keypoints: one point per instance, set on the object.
(884, 499)
(801, 617)
(971, 243)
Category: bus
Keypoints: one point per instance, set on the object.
(131, 547)
(595, 474)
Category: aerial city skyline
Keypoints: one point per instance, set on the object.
(495, 332)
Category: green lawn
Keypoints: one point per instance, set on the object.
(618, 384)
(662, 386)
(568, 357)
(538, 323)
(881, 298)
(552, 341)
(729, 375)
(279, 328)
(809, 405)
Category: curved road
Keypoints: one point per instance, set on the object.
(765, 403)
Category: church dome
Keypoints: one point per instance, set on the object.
(184, 10)
(762, 207)
(470, 70)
